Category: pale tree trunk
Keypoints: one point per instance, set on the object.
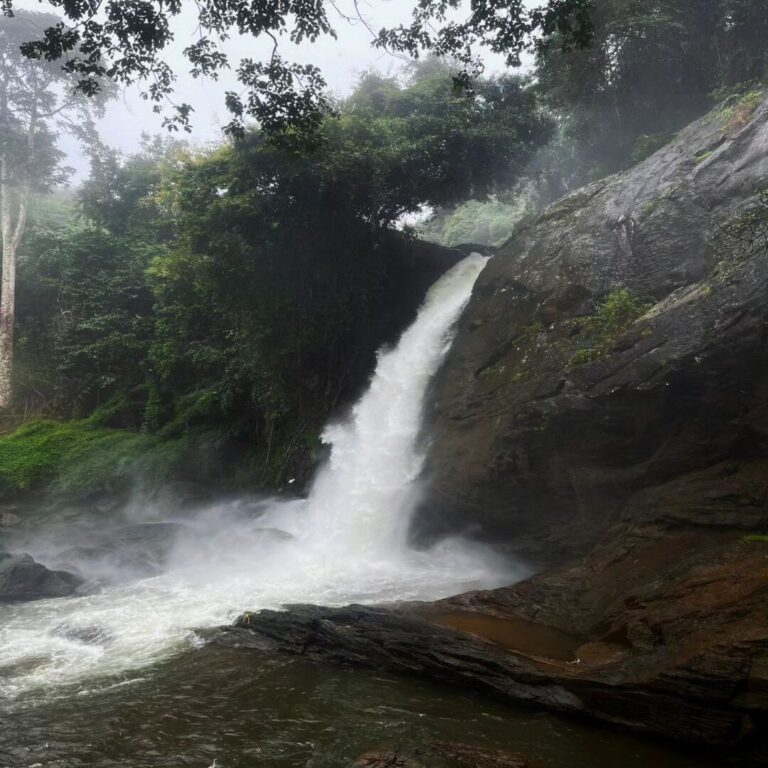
(11, 235)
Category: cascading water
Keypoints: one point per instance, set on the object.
(346, 542)
(363, 499)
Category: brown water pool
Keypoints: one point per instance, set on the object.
(514, 634)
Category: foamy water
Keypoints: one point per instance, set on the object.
(345, 543)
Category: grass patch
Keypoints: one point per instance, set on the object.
(587, 355)
(613, 316)
(758, 537)
(649, 207)
(79, 458)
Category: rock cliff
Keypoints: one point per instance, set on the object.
(616, 343)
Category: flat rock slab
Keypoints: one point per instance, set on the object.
(624, 694)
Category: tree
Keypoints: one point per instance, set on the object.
(285, 272)
(124, 41)
(395, 148)
(36, 101)
(651, 68)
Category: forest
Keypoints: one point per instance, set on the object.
(186, 302)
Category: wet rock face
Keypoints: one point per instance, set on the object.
(21, 578)
(604, 410)
(548, 414)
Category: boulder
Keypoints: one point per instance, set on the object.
(119, 554)
(21, 578)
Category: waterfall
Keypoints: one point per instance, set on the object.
(346, 542)
(363, 499)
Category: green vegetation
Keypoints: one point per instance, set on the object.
(649, 70)
(244, 290)
(740, 107)
(761, 538)
(649, 207)
(612, 317)
(128, 41)
(646, 144)
(237, 295)
(82, 457)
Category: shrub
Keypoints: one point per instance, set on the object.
(613, 316)
(647, 144)
(739, 109)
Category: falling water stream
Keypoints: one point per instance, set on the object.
(118, 676)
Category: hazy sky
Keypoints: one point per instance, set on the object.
(341, 60)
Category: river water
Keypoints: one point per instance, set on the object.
(119, 675)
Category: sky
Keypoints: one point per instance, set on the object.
(341, 61)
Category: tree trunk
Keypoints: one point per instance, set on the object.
(7, 301)
(11, 235)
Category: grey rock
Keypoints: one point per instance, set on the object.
(21, 579)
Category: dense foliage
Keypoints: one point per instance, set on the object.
(227, 303)
(650, 69)
(78, 458)
(236, 297)
(478, 222)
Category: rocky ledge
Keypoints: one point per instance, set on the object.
(615, 343)
(684, 658)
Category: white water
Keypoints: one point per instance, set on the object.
(349, 540)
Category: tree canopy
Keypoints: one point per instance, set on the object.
(126, 42)
(235, 297)
(240, 293)
(37, 102)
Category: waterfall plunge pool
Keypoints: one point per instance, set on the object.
(116, 677)
(237, 709)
